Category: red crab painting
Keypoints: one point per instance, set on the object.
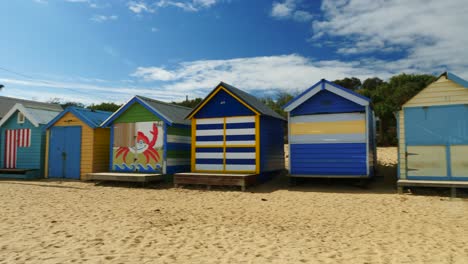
(143, 145)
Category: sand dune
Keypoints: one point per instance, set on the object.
(75, 222)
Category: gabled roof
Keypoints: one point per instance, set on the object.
(455, 79)
(244, 97)
(328, 86)
(37, 115)
(6, 103)
(93, 118)
(169, 113)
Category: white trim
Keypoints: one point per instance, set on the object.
(240, 131)
(208, 143)
(19, 107)
(346, 95)
(240, 167)
(210, 132)
(240, 119)
(209, 155)
(303, 98)
(209, 121)
(240, 155)
(240, 142)
(208, 167)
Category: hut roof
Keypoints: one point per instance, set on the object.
(331, 87)
(455, 79)
(6, 103)
(36, 114)
(170, 113)
(249, 99)
(93, 118)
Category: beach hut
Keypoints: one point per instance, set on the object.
(433, 135)
(149, 138)
(7, 103)
(22, 142)
(76, 145)
(331, 133)
(236, 140)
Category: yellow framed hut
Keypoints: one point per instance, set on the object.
(76, 144)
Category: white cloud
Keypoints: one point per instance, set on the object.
(289, 10)
(260, 74)
(430, 33)
(103, 18)
(191, 6)
(90, 3)
(139, 7)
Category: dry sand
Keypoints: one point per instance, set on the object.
(317, 222)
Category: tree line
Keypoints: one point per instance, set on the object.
(387, 97)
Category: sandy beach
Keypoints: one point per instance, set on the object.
(315, 222)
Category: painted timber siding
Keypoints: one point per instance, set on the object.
(27, 157)
(136, 113)
(401, 145)
(223, 104)
(101, 149)
(87, 142)
(331, 133)
(441, 92)
(271, 147)
(178, 149)
(326, 102)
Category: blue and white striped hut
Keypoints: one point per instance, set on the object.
(234, 133)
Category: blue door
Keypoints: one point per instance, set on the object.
(65, 152)
(436, 142)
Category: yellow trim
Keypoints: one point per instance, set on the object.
(339, 127)
(227, 146)
(46, 161)
(224, 172)
(224, 144)
(194, 137)
(257, 143)
(213, 94)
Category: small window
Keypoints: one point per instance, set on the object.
(20, 118)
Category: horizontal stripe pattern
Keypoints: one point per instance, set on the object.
(219, 145)
(331, 138)
(338, 127)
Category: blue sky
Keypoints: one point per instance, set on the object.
(108, 50)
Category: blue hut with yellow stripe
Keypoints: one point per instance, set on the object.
(236, 140)
(331, 133)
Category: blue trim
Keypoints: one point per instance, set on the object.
(239, 150)
(209, 138)
(240, 161)
(239, 137)
(322, 83)
(240, 125)
(128, 105)
(398, 146)
(209, 150)
(302, 94)
(165, 147)
(448, 160)
(210, 126)
(209, 161)
(111, 146)
(75, 111)
(457, 79)
(430, 178)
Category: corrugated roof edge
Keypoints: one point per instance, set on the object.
(23, 109)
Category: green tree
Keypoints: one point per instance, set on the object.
(110, 107)
(352, 83)
(65, 104)
(189, 103)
